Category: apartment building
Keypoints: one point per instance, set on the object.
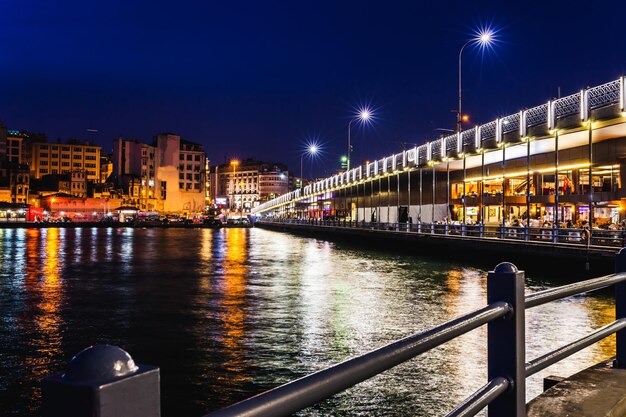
(63, 158)
(244, 185)
(168, 175)
(14, 173)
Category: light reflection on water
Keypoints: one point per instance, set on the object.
(229, 313)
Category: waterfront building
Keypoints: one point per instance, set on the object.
(134, 172)
(106, 167)
(273, 183)
(14, 172)
(14, 182)
(16, 143)
(562, 162)
(64, 158)
(168, 176)
(246, 184)
(78, 209)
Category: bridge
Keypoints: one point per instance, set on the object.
(552, 172)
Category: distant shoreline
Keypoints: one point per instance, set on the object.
(75, 225)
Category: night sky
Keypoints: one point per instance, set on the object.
(261, 78)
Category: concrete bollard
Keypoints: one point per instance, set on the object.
(103, 381)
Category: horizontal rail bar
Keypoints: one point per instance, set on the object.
(552, 294)
(481, 398)
(553, 357)
(311, 389)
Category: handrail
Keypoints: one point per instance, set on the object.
(553, 357)
(570, 237)
(304, 392)
(552, 294)
(481, 398)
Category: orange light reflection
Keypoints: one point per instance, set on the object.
(233, 315)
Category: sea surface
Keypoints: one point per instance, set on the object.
(229, 313)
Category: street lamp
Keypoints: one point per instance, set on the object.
(364, 115)
(483, 38)
(234, 163)
(311, 150)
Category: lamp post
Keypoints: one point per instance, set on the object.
(363, 116)
(311, 150)
(234, 163)
(483, 39)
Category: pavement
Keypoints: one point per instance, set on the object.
(599, 391)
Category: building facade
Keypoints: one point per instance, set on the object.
(14, 171)
(64, 158)
(168, 176)
(242, 186)
(106, 167)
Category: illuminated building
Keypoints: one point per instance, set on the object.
(251, 183)
(106, 167)
(64, 158)
(14, 172)
(168, 176)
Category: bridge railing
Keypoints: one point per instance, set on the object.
(571, 236)
(504, 393)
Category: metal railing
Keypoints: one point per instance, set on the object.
(571, 236)
(503, 394)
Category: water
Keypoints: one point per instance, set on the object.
(230, 313)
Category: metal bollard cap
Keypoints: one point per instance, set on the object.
(100, 363)
(505, 267)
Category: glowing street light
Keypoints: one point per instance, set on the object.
(483, 39)
(311, 150)
(363, 116)
(344, 161)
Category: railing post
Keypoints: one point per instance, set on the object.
(506, 340)
(103, 381)
(620, 311)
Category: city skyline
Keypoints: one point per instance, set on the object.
(258, 81)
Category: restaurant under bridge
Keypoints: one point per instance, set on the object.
(557, 165)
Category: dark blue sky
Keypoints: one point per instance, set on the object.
(258, 78)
